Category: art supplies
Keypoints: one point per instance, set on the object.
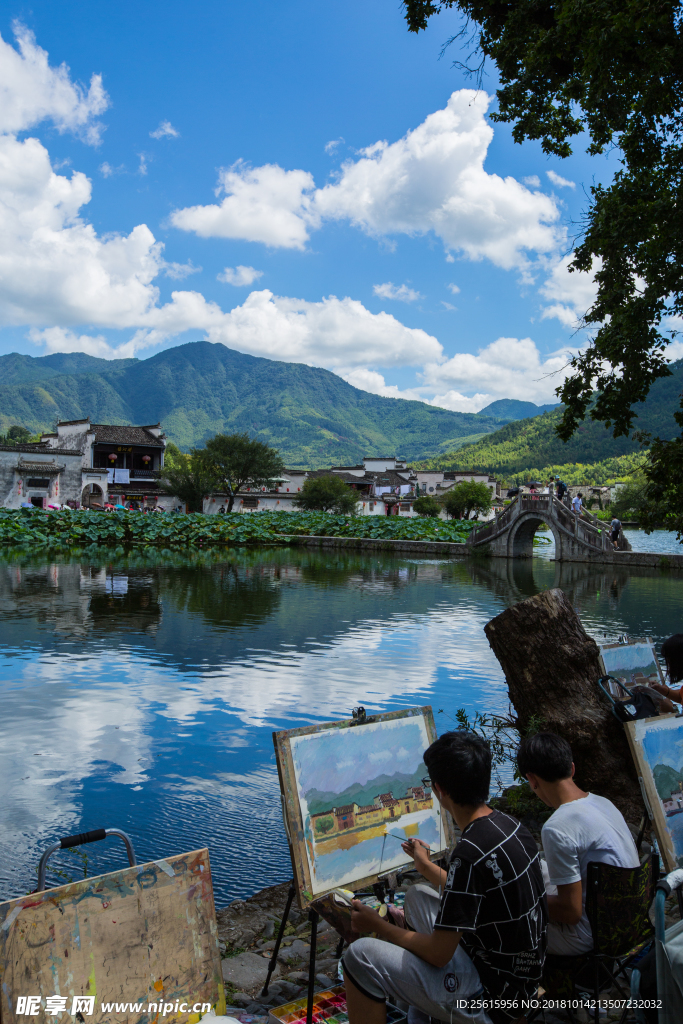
(657, 748)
(329, 1006)
(350, 790)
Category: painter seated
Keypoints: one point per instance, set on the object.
(584, 828)
(481, 936)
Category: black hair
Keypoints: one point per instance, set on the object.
(460, 764)
(672, 652)
(545, 754)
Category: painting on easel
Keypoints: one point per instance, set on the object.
(352, 792)
(633, 664)
(657, 748)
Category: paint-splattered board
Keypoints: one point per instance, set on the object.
(351, 792)
(145, 934)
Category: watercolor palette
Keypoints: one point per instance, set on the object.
(328, 1006)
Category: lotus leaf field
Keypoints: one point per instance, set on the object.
(32, 529)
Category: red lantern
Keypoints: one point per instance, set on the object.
(113, 456)
(146, 458)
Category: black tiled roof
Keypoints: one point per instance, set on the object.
(106, 433)
(36, 449)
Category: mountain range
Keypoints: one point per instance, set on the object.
(529, 444)
(313, 416)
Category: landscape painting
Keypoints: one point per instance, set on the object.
(632, 664)
(353, 793)
(657, 746)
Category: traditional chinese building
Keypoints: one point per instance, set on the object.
(385, 807)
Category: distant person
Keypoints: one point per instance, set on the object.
(221, 510)
(577, 504)
(615, 530)
(560, 487)
(672, 652)
(585, 827)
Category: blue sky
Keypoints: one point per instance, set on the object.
(300, 181)
(332, 761)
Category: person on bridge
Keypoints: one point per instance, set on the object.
(560, 488)
(672, 652)
(615, 530)
(577, 505)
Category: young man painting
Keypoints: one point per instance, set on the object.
(584, 828)
(481, 936)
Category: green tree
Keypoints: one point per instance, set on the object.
(326, 493)
(427, 506)
(191, 481)
(20, 435)
(236, 460)
(467, 498)
(173, 457)
(611, 69)
(324, 825)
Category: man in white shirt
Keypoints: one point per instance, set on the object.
(577, 504)
(584, 828)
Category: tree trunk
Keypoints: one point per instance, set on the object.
(231, 502)
(551, 668)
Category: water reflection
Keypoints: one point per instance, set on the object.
(142, 692)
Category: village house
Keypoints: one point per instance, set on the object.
(33, 474)
(385, 807)
(119, 464)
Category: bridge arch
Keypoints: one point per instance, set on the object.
(522, 533)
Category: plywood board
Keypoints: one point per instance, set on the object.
(657, 748)
(351, 792)
(144, 935)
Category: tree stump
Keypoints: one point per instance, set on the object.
(551, 667)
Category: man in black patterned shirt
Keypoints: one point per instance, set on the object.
(473, 951)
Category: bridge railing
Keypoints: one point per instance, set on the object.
(488, 530)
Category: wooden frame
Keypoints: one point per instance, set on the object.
(145, 935)
(651, 740)
(302, 827)
(611, 669)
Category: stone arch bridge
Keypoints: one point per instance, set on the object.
(578, 538)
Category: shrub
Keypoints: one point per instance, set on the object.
(426, 506)
(466, 498)
(328, 493)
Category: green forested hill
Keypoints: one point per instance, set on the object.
(532, 444)
(313, 416)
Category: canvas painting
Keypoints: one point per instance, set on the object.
(633, 664)
(657, 747)
(352, 793)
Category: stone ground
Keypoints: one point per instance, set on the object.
(247, 930)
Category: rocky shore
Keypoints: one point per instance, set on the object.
(247, 930)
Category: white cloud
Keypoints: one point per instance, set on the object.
(372, 381)
(178, 271)
(402, 293)
(559, 181)
(31, 91)
(453, 289)
(263, 204)
(331, 146)
(106, 169)
(142, 169)
(240, 277)
(165, 130)
(508, 368)
(433, 179)
(448, 305)
(571, 294)
(533, 181)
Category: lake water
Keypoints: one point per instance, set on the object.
(142, 692)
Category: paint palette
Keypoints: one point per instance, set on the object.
(329, 1006)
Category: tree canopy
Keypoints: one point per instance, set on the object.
(612, 69)
(467, 498)
(190, 480)
(326, 493)
(236, 460)
(427, 506)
